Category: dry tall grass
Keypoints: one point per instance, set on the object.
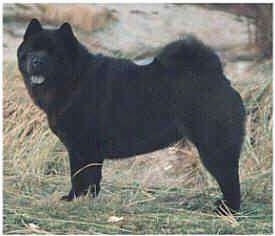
(36, 174)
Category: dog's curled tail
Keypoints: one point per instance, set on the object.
(191, 54)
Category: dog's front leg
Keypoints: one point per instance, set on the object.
(85, 177)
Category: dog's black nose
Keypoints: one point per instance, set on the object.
(36, 62)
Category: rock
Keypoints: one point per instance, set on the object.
(140, 33)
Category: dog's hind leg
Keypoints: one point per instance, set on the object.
(226, 172)
(220, 153)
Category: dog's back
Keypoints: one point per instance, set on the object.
(144, 108)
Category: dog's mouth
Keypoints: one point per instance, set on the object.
(37, 79)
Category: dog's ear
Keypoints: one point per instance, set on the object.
(68, 36)
(66, 30)
(33, 28)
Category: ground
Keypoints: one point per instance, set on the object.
(172, 192)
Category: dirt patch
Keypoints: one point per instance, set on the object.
(85, 17)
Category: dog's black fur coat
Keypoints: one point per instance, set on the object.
(102, 107)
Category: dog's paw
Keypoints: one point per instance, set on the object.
(222, 208)
(91, 190)
(70, 197)
(66, 198)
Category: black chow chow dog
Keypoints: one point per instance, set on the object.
(102, 107)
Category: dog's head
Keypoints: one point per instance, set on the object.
(46, 57)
